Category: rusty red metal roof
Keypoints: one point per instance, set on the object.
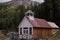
(39, 23)
(43, 23)
(34, 23)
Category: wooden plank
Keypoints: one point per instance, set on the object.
(42, 33)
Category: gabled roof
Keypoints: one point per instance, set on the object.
(40, 23)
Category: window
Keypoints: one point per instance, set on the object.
(25, 28)
(27, 14)
(31, 14)
(30, 31)
(20, 31)
(25, 31)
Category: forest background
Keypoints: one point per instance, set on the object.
(11, 16)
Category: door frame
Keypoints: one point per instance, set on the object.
(28, 32)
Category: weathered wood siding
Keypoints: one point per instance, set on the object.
(41, 33)
(54, 31)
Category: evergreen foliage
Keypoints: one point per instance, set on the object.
(11, 16)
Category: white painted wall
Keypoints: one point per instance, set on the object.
(24, 23)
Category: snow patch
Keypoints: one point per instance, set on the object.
(3, 1)
(39, 1)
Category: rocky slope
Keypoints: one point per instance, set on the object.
(17, 2)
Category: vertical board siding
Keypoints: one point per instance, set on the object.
(41, 33)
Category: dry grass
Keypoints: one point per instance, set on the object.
(7, 37)
(56, 37)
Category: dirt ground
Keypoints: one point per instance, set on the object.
(7, 37)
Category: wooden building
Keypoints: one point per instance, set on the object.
(31, 27)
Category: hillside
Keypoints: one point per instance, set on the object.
(16, 2)
(19, 2)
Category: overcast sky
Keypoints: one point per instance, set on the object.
(2, 1)
(40, 1)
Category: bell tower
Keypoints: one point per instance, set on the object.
(30, 15)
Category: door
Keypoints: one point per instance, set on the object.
(25, 32)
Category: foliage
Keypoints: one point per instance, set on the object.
(11, 16)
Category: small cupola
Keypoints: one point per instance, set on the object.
(30, 15)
